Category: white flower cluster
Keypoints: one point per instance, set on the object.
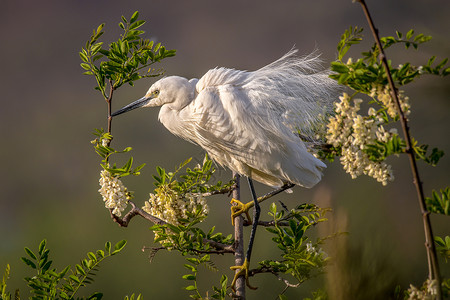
(312, 250)
(114, 193)
(428, 292)
(167, 205)
(383, 95)
(353, 132)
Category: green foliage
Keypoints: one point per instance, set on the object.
(380, 150)
(360, 75)
(318, 295)
(103, 148)
(439, 203)
(443, 246)
(48, 283)
(300, 257)
(192, 277)
(191, 180)
(192, 266)
(172, 187)
(188, 238)
(132, 297)
(4, 294)
(123, 61)
(221, 293)
(368, 72)
(421, 152)
(351, 36)
(446, 288)
(368, 75)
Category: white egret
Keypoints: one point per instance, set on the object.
(250, 122)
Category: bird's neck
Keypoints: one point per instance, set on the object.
(171, 119)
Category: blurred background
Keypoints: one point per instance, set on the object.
(50, 172)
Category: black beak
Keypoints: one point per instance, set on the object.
(136, 104)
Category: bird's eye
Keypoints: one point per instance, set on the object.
(156, 92)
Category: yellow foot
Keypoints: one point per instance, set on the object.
(240, 208)
(243, 271)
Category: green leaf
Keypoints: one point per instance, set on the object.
(85, 66)
(137, 24)
(92, 256)
(127, 166)
(74, 278)
(108, 247)
(83, 57)
(96, 48)
(42, 247)
(193, 260)
(100, 28)
(46, 266)
(409, 34)
(119, 246)
(80, 270)
(339, 67)
(190, 267)
(271, 230)
(28, 262)
(189, 277)
(273, 208)
(441, 64)
(134, 17)
(95, 296)
(30, 253)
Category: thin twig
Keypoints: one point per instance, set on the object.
(227, 190)
(272, 223)
(261, 270)
(433, 264)
(153, 251)
(286, 186)
(109, 101)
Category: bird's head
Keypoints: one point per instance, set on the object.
(175, 91)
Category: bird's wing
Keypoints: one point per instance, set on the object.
(290, 91)
(226, 123)
(249, 121)
(222, 127)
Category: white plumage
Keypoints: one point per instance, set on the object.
(250, 121)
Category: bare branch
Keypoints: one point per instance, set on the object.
(433, 264)
(135, 211)
(153, 251)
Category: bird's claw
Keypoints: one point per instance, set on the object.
(240, 208)
(243, 271)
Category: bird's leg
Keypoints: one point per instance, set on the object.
(240, 208)
(243, 270)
